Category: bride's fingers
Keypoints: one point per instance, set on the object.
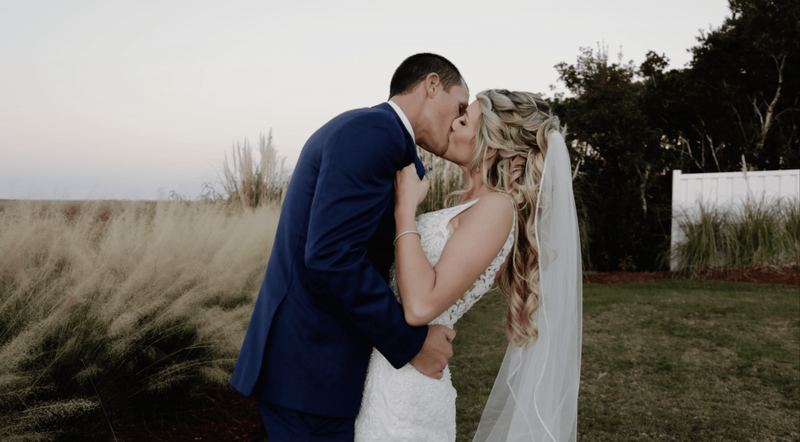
(402, 176)
(408, 185)
(450, 334)
(408, 170)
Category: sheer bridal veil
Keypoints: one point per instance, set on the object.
(535, 395)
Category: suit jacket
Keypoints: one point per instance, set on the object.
(325, 302)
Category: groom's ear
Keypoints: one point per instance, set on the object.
(433, 85)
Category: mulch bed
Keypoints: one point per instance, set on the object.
(226, 415)
(785, 276)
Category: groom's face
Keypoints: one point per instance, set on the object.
(442, 110)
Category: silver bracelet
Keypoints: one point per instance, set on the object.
(403, 233)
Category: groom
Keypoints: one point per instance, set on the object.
(325, 302)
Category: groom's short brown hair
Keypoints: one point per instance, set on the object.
(415, 68)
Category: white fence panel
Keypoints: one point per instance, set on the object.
(724, 189)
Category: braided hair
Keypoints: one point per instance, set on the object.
(517, 125)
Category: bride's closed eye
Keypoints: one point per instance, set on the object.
(461, 122)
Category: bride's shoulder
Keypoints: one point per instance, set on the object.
(494, 208)
(496, 201)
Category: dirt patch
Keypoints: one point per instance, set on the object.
(623, 277)
(785, 276)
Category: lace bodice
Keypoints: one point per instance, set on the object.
(433, 232)
(403, 405)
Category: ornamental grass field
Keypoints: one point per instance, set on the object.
(114, 313)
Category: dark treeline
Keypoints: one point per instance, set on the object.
(735, 105)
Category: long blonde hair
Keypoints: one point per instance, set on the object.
(517, 124)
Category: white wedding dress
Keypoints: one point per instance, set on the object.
(405, 405)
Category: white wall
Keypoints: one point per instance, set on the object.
(724, 189)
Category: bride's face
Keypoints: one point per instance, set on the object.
(462, 138)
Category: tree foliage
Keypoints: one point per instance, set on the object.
(739, 97)
(735, 104)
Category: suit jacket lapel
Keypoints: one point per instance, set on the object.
(412, 149)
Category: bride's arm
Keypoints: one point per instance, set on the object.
(427, 291)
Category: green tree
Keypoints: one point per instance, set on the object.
(621, 158)
(739, 97)
(632, 126)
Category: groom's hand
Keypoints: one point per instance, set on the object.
(436, 351)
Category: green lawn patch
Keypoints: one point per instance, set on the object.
(662, 360)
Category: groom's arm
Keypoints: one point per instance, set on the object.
(352, 193)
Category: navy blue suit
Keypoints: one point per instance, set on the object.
(325, 302)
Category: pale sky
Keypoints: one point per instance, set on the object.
(134, 99)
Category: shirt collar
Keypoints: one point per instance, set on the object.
(403, 118)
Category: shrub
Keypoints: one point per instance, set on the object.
(791, 227)
(753, 234)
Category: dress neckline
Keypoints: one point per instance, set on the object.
(467, 202)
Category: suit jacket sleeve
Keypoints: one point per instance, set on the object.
(353, 191)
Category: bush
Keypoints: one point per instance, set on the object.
(757, 233)
(111, 313)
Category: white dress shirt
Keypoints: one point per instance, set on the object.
(403, 118)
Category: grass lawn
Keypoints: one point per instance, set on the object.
(662, 360)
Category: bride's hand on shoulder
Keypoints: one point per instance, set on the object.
(409, 190)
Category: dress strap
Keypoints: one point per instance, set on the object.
(454, 211)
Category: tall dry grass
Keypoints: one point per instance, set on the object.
(443, 177)
(113, 311)
(754, 234)
(251, 182)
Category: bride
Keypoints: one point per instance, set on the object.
(514, 225)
